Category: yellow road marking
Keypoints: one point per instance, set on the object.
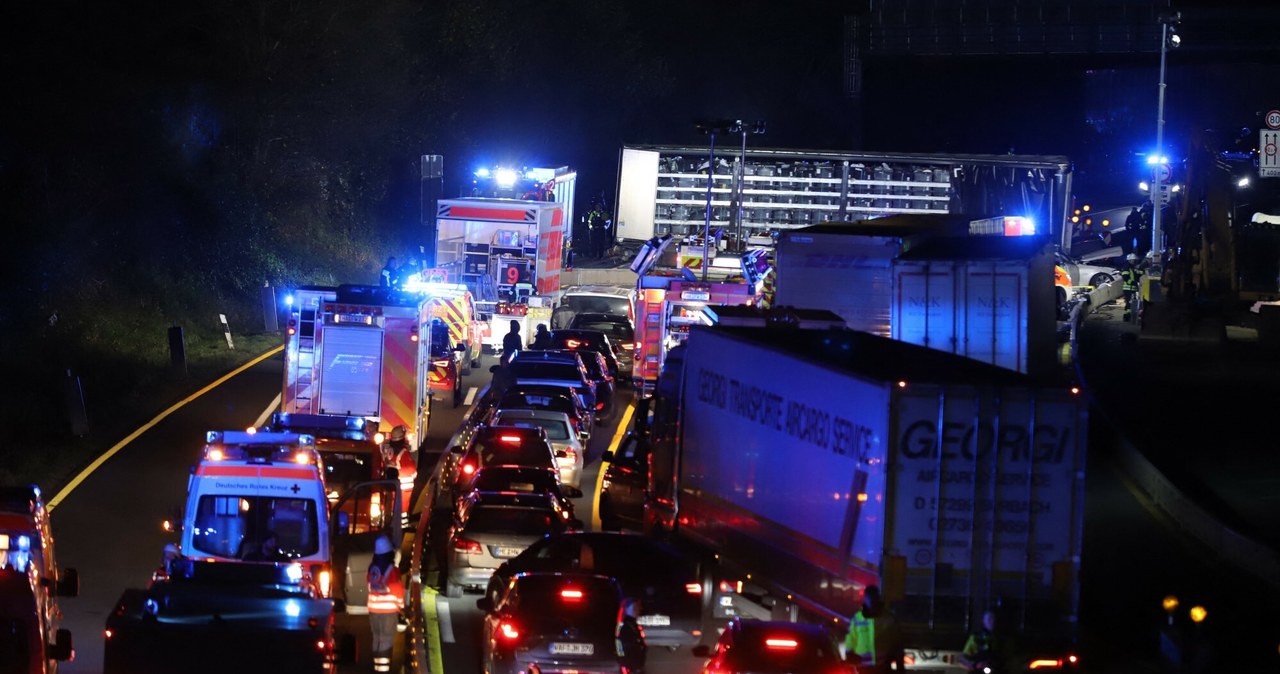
(435, 661)
(613, 447)
(66, 491)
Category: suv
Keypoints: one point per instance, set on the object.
(619, 330)
(498, 446)
(578, 300)
(565, 441)
(555, 368)
(556, 623)
(586, 340)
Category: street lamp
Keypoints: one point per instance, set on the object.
(1168, 38)
(711, 129)
(754, 128)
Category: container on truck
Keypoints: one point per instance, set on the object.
(815, 463)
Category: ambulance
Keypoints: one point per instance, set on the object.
(251, 486)
(361, 351)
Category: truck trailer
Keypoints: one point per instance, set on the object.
(815, 463)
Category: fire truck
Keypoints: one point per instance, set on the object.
(357, 350)
(457, 336)
(30, 584)
(669, 302)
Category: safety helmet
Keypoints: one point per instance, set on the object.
(399, 432)
(1131, 257)
(382, 546)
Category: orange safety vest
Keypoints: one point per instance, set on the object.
(386, 591)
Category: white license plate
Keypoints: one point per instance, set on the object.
(504, 551)
(654, 620)
(566, 648)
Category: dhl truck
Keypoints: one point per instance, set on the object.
(31, 641)
(953, 485)
(362, 351)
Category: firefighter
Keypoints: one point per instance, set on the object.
(386, 600)
(597, 230)
(397, 454)
(1132, 276)
(390, 276)
(873, 641)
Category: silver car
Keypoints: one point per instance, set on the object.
(565, 442)
(492, 527)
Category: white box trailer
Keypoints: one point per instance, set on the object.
(986, 298)
(493, 244)
(823, 461)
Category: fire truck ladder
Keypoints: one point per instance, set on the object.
(306, 360)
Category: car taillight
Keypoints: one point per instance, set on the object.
(468, 546)
(1045, 663)
(508, 631)
(509, 438)
(572, 343)
(908, 659)
(599, 406)
(693, 588)
(780, 644)
(571, 595)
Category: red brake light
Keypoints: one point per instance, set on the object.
(508, 631)
(693, 588)
(1045, 664)
(468, 468)
(468, 546)
(509, 438)
(572, 343)
(780, 644)
(571, 595)
(599, 406)
(908, 659)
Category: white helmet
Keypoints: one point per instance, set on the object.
(1131, 257)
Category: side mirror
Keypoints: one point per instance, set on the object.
(69, 584)
(485, 604)
(607, 457)
(61, 648)
(702, 651)
(570, 492)
(456, 449)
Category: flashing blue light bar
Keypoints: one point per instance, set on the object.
(288, 300)
(258, 438)
(541, 175)
(505, 177)
(1153, 159)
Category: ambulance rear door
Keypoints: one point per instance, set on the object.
(368, 510)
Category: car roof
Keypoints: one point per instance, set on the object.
(538, 389)
(523, 413)
(510, 499)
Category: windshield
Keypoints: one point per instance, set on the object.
(556, 430)
(344, 469)
(504, 479)
(616, 331)
(231, 526)
(493, 451)
(536, 370)
(597, 304)
(516, 520)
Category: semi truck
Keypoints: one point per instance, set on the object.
(813, 463)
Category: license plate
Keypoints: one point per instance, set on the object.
(654, 620)
(567, 648)
(505, 551)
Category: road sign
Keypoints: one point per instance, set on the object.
(1269, 152)
(1273, 119)
(1163, 172)
(1165, 194)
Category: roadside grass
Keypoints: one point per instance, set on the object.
(124, 389)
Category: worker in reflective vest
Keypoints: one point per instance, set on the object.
(873, 641)
(386, 600)
(397, 454)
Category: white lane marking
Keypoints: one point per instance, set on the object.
(471, 396)
(262, 418)
(446, 624)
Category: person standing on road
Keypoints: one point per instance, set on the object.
(597, 230)
(511, 344)
(1132, 276)
(985, 648)
(386, 600)
(541, 338)
(397, 454)
(874, 640)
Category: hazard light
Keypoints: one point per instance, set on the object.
(324, 581)
(303, 457)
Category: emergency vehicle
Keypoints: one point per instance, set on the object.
(30, 584)
(356, 350)
(670, 302)
(457, 337)
(249, 485)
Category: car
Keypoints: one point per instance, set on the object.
(625, 482)
(620, 331)
(668, 584)
(447, 465)
(576, 300)
(598, 371)
(498, 446)
(586, 340)
(567, 444)
(555, 368)
(557, 398)
(1083, 274)
(773, 647)
(492, 527)
(549, 622)
(524, 479)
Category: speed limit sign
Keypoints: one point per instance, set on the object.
(1273, 119)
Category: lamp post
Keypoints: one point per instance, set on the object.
(1157, 192)
(711, 129)
(755, 128)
